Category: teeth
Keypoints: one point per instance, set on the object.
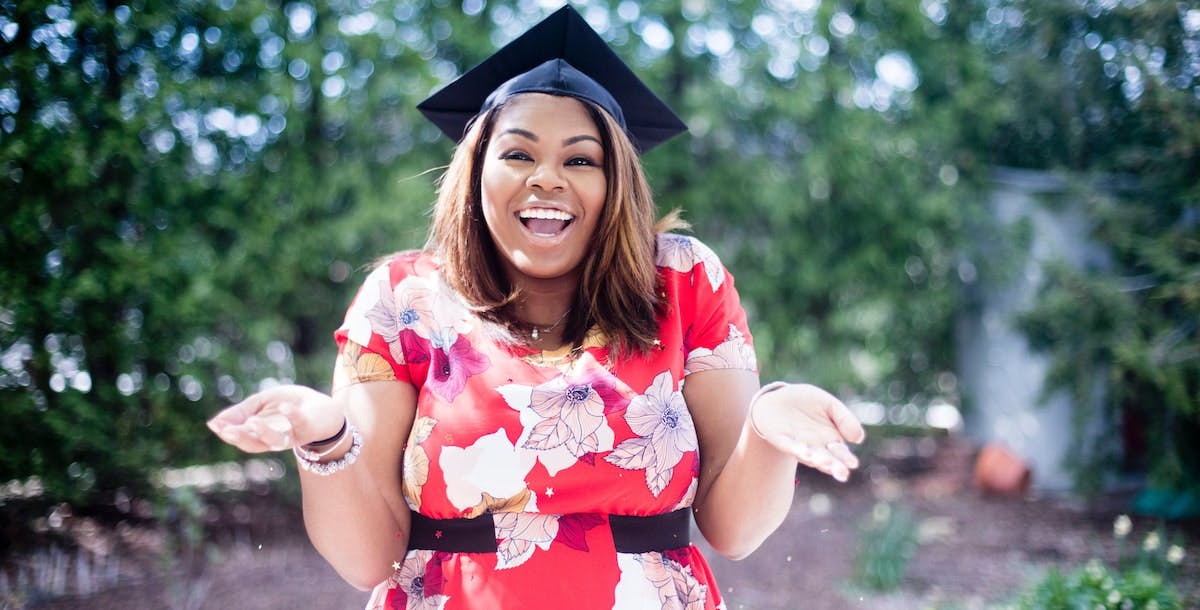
(546, 214)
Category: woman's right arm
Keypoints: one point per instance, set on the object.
(356, 518)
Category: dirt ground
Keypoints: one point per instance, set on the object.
(975, 551)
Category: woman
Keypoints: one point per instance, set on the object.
(510, 425)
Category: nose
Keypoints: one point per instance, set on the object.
(546, 177)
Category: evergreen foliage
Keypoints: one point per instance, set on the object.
(192, 191)
(1127, 127)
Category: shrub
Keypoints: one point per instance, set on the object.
(887, 541)
(1141, 582)
(1097, 586)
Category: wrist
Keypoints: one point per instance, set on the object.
(324, 443)
(338, 457)
(754, 400)
(327, 449)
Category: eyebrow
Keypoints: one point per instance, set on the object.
(567, 142)
(580, 138)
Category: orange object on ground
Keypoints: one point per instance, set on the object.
(999, 471)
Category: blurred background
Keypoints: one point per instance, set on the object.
(974, 220)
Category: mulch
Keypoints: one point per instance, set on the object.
(975, 551)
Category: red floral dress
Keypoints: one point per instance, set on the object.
(548, 444)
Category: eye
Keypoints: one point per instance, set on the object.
(515, 155)
(581, 161)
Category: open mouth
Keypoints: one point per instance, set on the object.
(545, 222)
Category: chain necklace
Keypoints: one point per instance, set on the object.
(561, 359)
(536, 333)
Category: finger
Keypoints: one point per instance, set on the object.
(244, 438)
(847, 424)
(830, 465)
(224, 418)
(273, 431)
(821, 459)
(215, 424)
(236, 414)
(842, 453)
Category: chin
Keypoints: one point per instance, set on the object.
(548, 270)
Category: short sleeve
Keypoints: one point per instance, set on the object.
(717, 335)
(370, 346)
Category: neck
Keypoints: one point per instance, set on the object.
(543, 308)
(544, 302)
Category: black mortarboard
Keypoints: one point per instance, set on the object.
(562, 55)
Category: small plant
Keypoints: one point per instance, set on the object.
(1141, 582)
(186, 549)
(887, 541)
(182, 513)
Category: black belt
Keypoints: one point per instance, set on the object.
(478, 535)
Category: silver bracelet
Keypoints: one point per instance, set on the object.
(770, 387)
(327, 468)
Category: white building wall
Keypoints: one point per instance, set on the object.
(1002, 378)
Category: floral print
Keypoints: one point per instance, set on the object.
(677, 588)
(683, 253)
(387, 320)
(491, 465)
(416, 462)
(733, 353)
(547, 444)
(657, 576)
(354, 365)
(518, 534)
(665, 432)
(418, 583)
(570, 413)
(566, 418)
(454, 360)
(489, 504)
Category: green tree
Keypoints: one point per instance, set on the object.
(823, 166)
(197, 188)
(1110, 93)
(191, 191)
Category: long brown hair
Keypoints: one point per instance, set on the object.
(619, 293)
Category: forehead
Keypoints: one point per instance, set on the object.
(540, 112)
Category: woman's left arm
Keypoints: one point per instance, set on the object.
(748, 459)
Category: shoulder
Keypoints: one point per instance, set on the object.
(389, 276)
(408, 262)
(687, 255)
(399, 266)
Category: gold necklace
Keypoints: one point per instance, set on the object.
(561, 358)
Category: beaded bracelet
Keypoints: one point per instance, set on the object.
(770, 387)
(327, 468)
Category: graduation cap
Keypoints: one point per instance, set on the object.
(561, 55)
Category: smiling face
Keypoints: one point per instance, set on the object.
(543, 186)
